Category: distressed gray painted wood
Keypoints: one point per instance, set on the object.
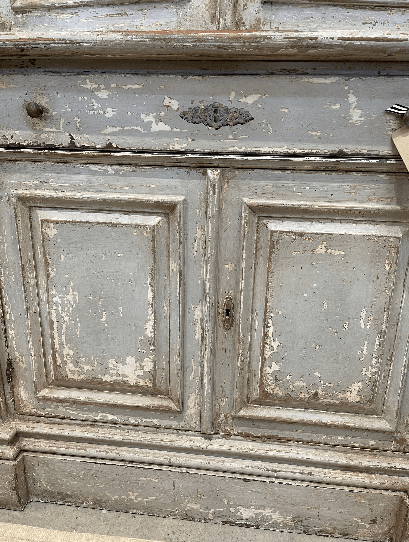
(292, 114)
(109, 413)
(301, 508)
(13, 487)
(324, 29)
(294, 248)
(361, 18)
(271, 188)
(113, 279)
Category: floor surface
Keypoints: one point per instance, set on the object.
(72, 519)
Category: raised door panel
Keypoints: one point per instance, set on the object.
(110, 282)
(325, 21)
(319, 292)
(114, 19)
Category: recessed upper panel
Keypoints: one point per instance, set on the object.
(101, 271)
(332, 20)
(327, 298)
(66, 18)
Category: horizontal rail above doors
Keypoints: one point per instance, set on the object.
(309, 163)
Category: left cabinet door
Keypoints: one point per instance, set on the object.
(102, 281)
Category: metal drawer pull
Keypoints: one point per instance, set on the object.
(34, 110)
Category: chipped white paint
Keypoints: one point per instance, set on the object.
(171, 102)
(323, 249)
(356, 115)
(114, 110)
(250, 99)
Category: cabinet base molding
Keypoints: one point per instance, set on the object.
(13, 487)
(251, 501)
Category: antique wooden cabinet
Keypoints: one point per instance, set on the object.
(204, 251)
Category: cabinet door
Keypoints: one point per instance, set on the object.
(313, 266)
(102, 285)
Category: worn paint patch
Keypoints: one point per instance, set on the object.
(251, 98)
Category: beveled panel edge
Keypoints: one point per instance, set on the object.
(316, 417)
(286, 209)
(170, 205)
(96, 397)
(221, 44)
(38, 217)
(236, 161)
(86, 200)
(6, 401)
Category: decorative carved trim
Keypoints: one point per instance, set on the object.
(216, 115)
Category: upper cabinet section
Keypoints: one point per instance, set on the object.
(336, 18)
(67, 17)
(198, 29)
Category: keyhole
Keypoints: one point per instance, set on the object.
(228, 310)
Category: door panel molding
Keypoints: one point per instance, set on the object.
(69, 360)
(265, 272)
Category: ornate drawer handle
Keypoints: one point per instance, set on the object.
(216, 115)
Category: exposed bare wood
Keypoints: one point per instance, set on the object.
(308, 163)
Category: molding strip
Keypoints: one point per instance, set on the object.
(236, 161)
(222, 44)
(291, 461)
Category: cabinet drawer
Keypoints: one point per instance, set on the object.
(264, 114)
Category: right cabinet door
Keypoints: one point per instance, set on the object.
(313, 323)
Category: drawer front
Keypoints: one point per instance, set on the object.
(264, 114)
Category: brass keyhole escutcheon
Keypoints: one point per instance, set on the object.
(227, 313)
